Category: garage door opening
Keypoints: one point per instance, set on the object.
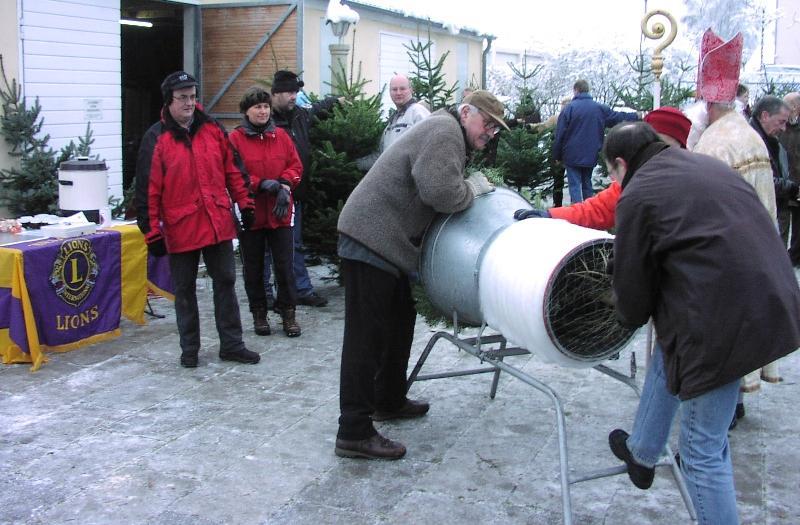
(148, 55)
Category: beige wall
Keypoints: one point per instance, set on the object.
(366, 48)
(787, 38)
(9, 48)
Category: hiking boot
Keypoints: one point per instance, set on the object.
(260, 322)
(409, 410)
(640, 475)
(376, 447)
(290, 326)
(243, 355)
(189, 359)
(312, 299)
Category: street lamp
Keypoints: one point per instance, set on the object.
(340, 17)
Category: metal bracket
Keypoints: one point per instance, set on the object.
(495, 358)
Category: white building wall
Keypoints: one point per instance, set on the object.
(71, 61)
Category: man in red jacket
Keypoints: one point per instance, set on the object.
(598, 211)
(185, 179)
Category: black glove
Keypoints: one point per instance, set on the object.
(157, 248)
(281, 207)
(248, 218)
(531, 214)
(269, 185)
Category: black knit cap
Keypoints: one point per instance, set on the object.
(254, 95)
(284, 81)
(176, 80)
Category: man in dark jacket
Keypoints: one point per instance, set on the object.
(770, 115)
(579, 136)
(719, 286)
(790, 140)
(185, 179)
(297, 122)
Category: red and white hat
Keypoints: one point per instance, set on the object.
(719, 67)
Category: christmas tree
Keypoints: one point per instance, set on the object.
(428, 81)
(32, 187)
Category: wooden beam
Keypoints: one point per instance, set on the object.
(228, 83)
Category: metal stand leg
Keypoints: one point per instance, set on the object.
(152, 313)
(494, 357)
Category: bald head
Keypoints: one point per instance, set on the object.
(400, 90)
(793, 101)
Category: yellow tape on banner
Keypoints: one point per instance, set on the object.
(9, 352)
(97, 338)
(134, 272)
(12, 275)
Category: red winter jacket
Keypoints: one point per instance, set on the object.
(596, 212)
(268, 155)
(185, 180)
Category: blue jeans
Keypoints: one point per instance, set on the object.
(703, 444)
(579, 179)
(301, 278)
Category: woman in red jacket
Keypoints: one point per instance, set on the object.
(271, 161)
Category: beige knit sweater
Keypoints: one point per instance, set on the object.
(420, 175)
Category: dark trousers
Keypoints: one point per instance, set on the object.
(302, 281)
(221, 268)
(790, 216)
(379, 319)
(252, 246)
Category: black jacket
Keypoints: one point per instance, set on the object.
(297, 123)
(696, 250)
(785, 188)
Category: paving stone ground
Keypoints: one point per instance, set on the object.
(118, 433)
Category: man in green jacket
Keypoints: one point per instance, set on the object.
(380, 231)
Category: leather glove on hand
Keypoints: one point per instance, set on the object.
(479, 184)
(531, 214)
(157, 248)
(269, 185)
(281, 207)
(248, 218)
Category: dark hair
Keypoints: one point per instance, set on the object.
(626, 139)
(769, 103)
(254, 95)
(581, 86)
(741, 90)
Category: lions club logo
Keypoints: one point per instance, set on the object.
(75, 271)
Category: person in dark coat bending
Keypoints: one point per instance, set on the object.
(696, 250)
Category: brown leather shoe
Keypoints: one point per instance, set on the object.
(409, 410)
(260, 322)
(290, 326)
(376, 447)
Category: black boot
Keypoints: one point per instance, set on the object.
(189, 359)
(260, 322)
(243, 355)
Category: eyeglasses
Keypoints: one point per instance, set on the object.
(490, 125)
(183, 99)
